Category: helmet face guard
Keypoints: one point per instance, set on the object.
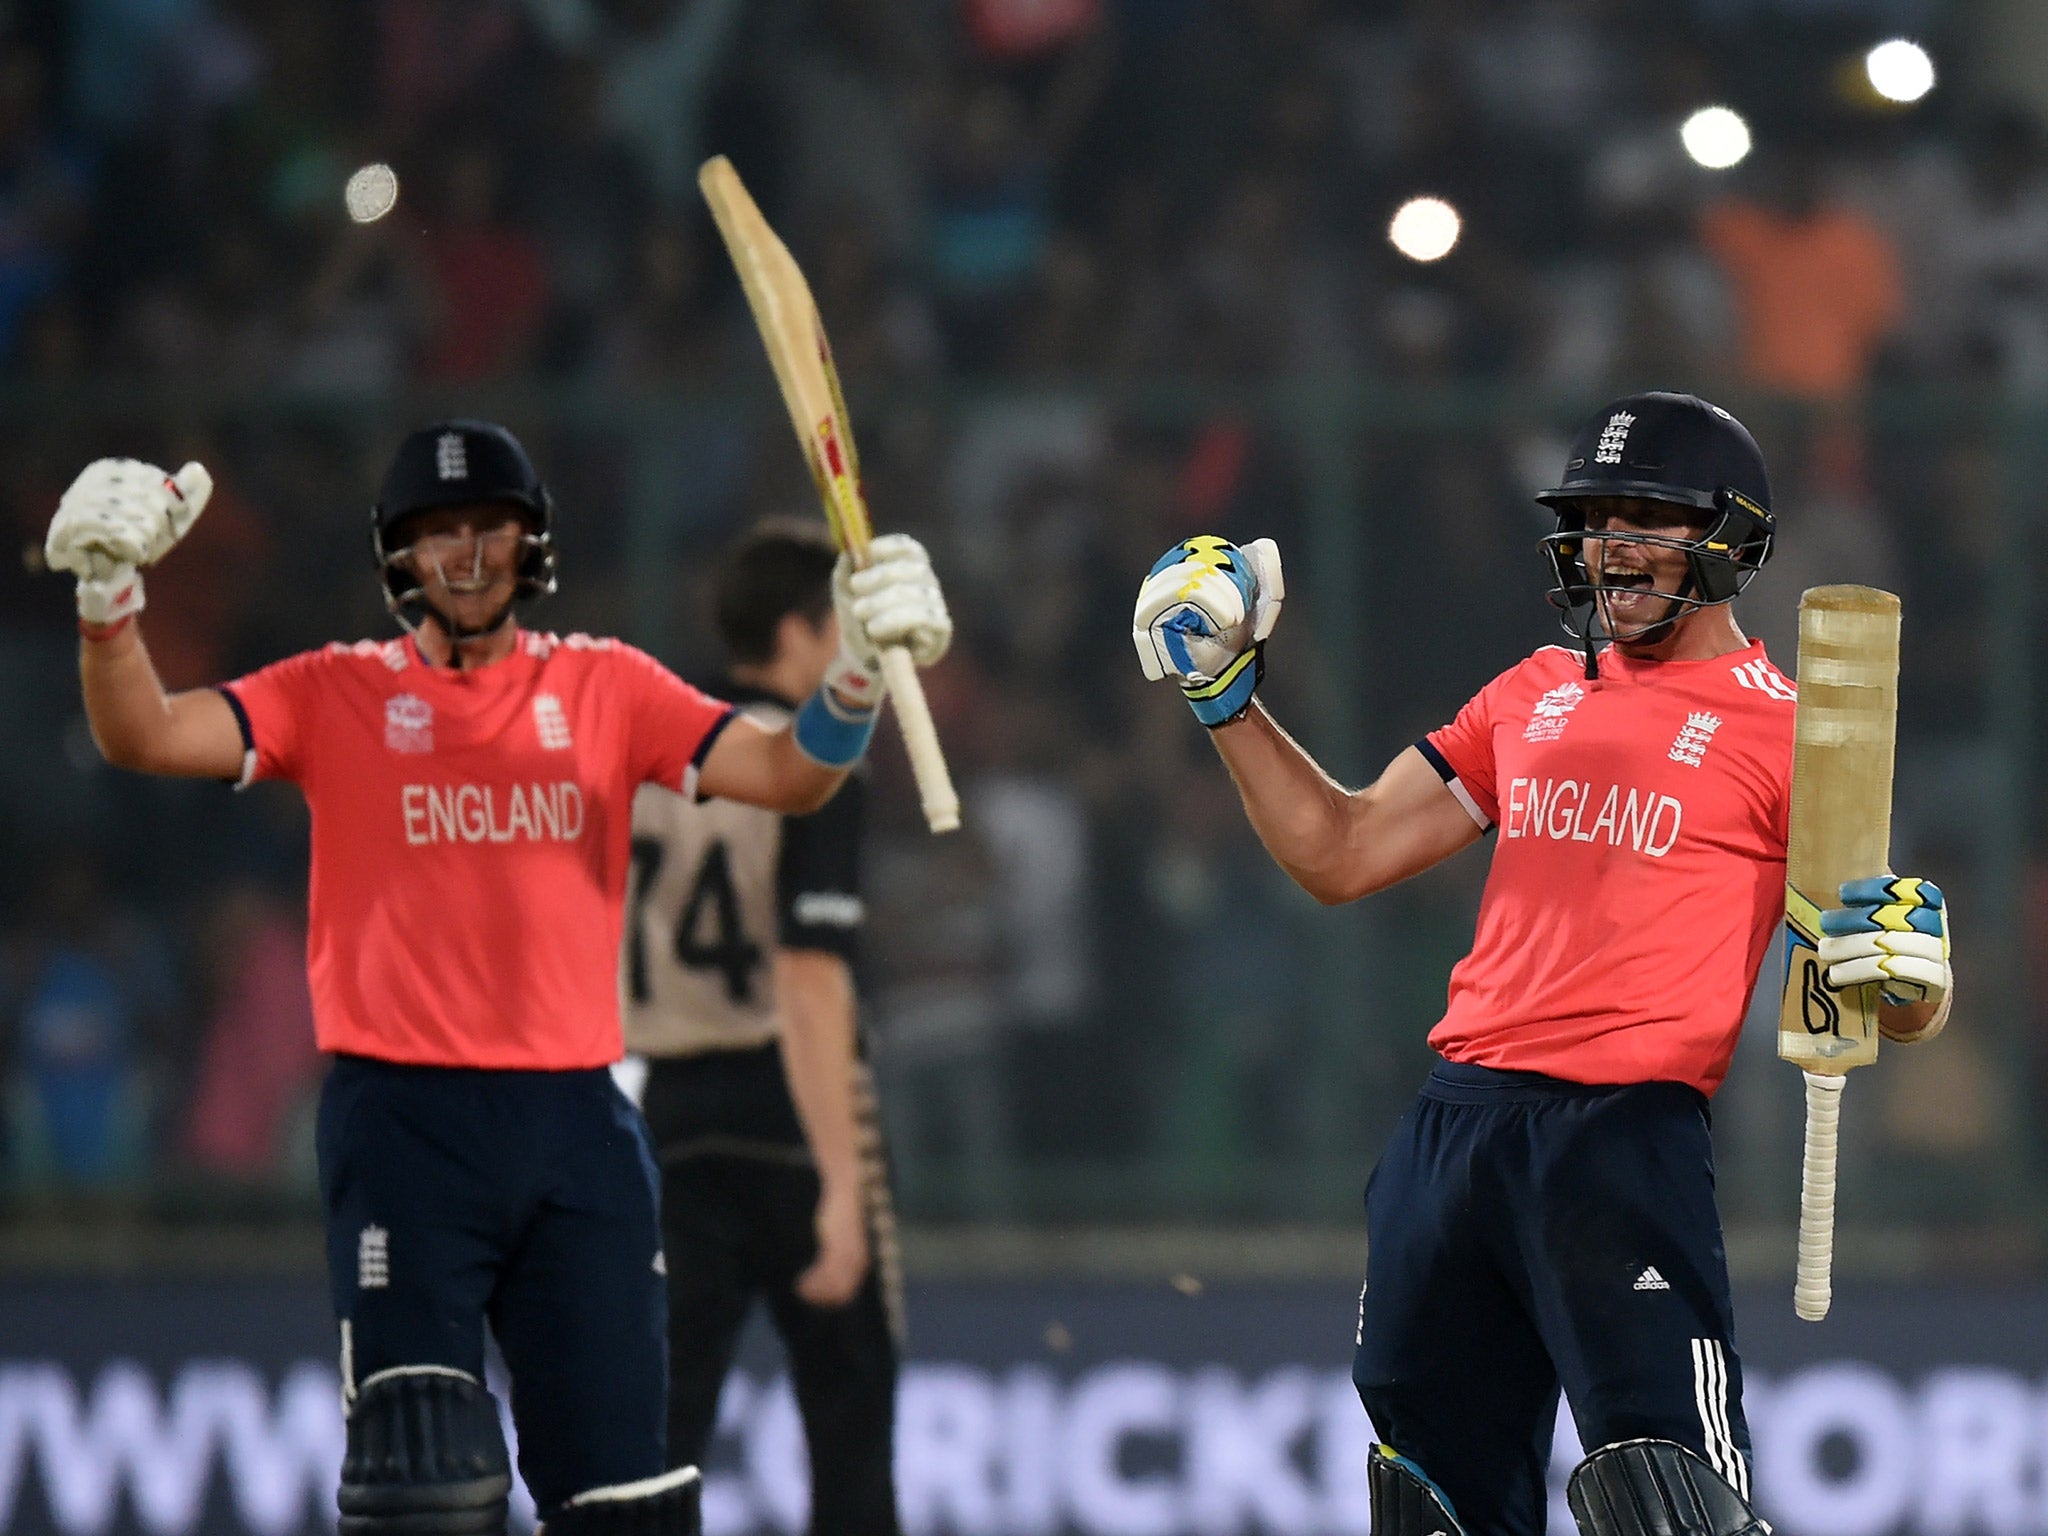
(405, 587)
(1720, 563)
(459, 463)
(1680, 451)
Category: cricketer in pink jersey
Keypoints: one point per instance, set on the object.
(1544, 1218)
(471, 791)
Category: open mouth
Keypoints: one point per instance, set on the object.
(1625, 582)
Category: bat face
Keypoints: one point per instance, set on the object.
(794, 337)
(1841, 810)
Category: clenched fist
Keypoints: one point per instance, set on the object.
(118, 516)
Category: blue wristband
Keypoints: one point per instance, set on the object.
(829, 733)
(1222, 701)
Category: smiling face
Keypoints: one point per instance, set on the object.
(466, 561)
(1635, 580)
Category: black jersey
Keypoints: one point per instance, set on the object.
(716, 888)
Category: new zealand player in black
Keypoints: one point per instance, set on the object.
(739, 991)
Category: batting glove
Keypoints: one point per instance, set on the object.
(1203, 615)
(1892, 930)
(892, 600)
(117, 516)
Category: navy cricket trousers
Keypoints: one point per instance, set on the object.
(1527, 1233)
(528, 1199)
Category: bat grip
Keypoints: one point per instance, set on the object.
(1811, 1286)
(921, 741)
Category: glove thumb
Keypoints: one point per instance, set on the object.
(194, 486)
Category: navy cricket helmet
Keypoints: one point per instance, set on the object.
(455, 463)
(1672, 448)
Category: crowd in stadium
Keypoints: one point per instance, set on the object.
(1086, 267)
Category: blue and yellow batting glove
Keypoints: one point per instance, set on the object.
(1203, 615)
(1893, 930)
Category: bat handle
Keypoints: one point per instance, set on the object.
(921, 740)
(1811, 1286)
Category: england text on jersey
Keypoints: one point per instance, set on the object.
(491, 813)
(1578, 811)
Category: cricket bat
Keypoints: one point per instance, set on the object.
(1841, 830)
(790, 329)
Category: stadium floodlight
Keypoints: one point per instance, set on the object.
(1424, 228)
(1899, 70)
(371, 193)
(1715, 137)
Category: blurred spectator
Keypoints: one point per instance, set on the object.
(227, 323)
(585, 197)
(257, 1061)
(1263, 294)
(96, 988)
(856, 97)
(42, 192)
(990, 207)
(1976, 225)
(365, 313)
(434, 58)
(118, 52)
(660, 59)
(490, 281)
(1817, 285)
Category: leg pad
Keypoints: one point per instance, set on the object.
(1657, 1488)
(655, 1506)
(1404, 1501)
(425, 1457)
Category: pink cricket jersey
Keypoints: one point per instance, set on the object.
(1638, 874)
(471, 837)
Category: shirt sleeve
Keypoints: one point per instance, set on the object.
(274, 706)
(673, 724)
(1462, 752)
(817, 879)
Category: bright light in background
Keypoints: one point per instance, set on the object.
(1715, 137)
(1424, 228)
(371, 193)
(1899, 70)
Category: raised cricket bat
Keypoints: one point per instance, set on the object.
(1841, 830)
(795, 338)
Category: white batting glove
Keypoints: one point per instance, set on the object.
(893, 600)
(117, 516)
(1203, 615)
(1892, 930)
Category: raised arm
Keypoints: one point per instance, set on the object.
(118, 516)
(1202, 618)
(137, 725)
(1340, 844)
(894, 600)
(768, 768)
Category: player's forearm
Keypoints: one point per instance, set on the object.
(137, 725)
(1302, 815)
(815, 993)
(805, 784)
(769, 769)
(125, 703)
